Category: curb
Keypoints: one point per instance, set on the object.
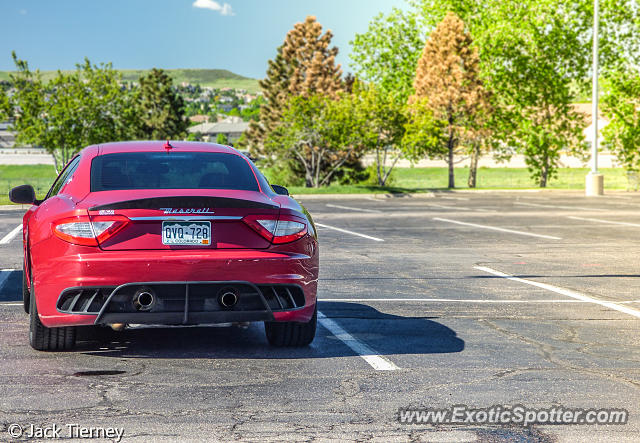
(22, 208)
(358, 196)
(430, 194)
(435, 193)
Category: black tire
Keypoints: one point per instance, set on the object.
(42, 338)
(291, 333)
(25, 291)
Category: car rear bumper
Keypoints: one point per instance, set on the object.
(187, 283)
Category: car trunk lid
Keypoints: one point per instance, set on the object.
(221, 211)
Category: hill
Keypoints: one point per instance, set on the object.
(216, 78)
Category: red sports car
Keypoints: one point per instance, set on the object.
(166, 233)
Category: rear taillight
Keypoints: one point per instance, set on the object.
(88, 232)
(285, 229)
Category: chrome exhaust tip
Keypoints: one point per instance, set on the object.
(144, 299)
(227, 298)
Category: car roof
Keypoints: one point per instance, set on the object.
(159, 146)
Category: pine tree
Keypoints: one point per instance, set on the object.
(304, 65)
(161, 108)
(307, 50)
(275, 88)
(447, 77)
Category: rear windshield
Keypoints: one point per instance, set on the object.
(174, 170)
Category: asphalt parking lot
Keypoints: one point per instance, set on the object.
(459, 298)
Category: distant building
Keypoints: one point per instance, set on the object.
(587, 110)
(200, 118)
(231, 127)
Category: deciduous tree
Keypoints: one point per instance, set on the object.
(6, 111)
(388, 52)
(621, 104)
(320, 135)
(424, 136)
(537, 57)
(447, 76)
(382, 121)
(222, 139)
(517, 40)
(73, 110)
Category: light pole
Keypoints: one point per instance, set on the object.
(594, 180)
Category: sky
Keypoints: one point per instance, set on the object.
(238, 35)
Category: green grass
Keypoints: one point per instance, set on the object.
(406, 180)
(41, 177)
(215, 78)
(411, 180)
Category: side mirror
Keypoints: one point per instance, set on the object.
(23, 194)
(280, 190)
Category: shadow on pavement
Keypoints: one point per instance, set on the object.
(11, 288)
(386, 333)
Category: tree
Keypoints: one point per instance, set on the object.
(304, 65)
(195, 136)
(387, 54)
(534, 54)
(73, 110)
(621, 104)
(382, 122)
(252, 111)
(222, 139)
(6, 111)
(515, 40)
(274, 88)
(160, 107)
(447, 76)
(537, 57)
(319, 134)
(312, 60)
(424, 134)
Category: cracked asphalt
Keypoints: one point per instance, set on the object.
(471, 298)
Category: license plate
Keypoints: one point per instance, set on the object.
(186, 233)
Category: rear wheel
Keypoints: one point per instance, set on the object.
(42, 338)
(291, 333)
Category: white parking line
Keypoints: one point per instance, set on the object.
(376, 361)
(349, 232)
(460, 208)
(7, 238)
(567, 292)
(449, 300)
(2, 303)
(436, 205)
(537, 205)
(493, 228)
(597, 220)
(349, 208)
(619, 197)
